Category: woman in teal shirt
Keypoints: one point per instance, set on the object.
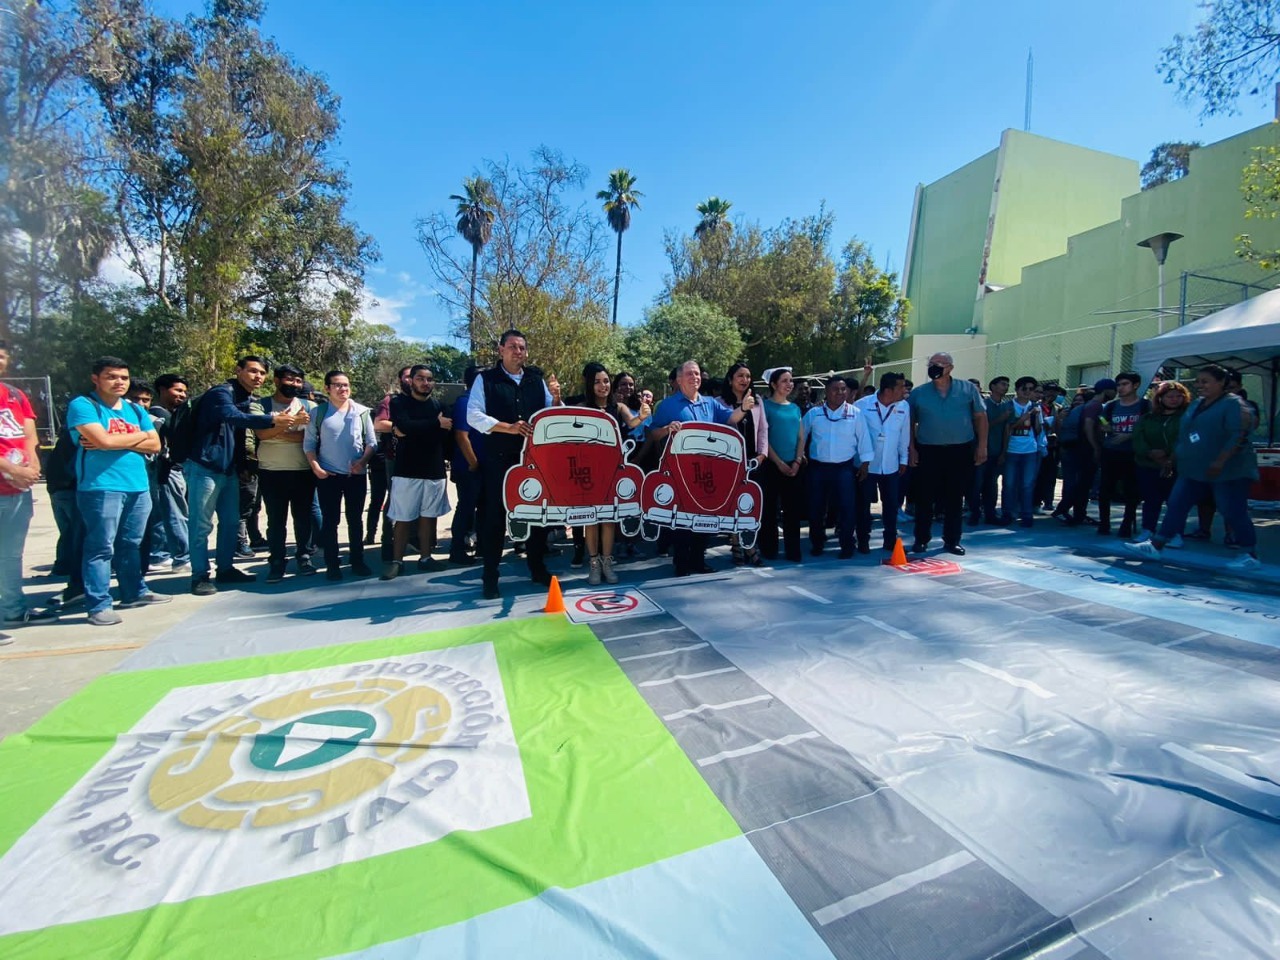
(780, 476)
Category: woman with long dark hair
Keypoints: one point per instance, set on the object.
(755, 431)
(597, 393)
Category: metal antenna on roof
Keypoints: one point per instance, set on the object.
(1026, 116)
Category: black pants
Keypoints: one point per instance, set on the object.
(494, 524)
(943, 473)
(688, 551)
(783, 496)
(339, 492)
(887, 486)
(1119, 481)
(1047, 481)
(250, 506)
(833, 487)
(467, 486)
(1086, 466)
(379, 483)
(285, 492)
(983, 499)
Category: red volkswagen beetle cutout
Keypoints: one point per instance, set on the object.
(701, 485)
(573, 471)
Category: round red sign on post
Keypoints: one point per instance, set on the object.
(603, 604)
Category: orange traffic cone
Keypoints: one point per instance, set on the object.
(555, 599)
(899, 556)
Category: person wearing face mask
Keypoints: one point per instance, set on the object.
(285, 479)
(949, 439)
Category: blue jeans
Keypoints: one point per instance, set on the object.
(113, 527)
(15, 519)
(832, 483)
(1232, 497)
(169, 521)
(1019, 484)
(212, 494)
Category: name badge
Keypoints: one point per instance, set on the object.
(1194, 437)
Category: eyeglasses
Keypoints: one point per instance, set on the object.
(339, 386)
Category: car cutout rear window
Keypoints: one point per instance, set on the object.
(704, 443)
(579, 430)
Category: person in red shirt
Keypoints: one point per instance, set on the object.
(19, 470)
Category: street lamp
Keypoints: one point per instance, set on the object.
(1159, 245)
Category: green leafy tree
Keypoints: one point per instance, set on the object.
(1168, 161)
(619, 197)
(714, 214)
(55, 228)
(543, 270)
(217, 140)
(685, 328)
(868, 311)
(1234, 51)
(475, 225)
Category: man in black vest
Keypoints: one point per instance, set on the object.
(503, 399)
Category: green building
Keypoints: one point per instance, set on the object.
(1026, 261)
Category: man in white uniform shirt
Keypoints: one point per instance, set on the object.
(839, 450)
(888, 423)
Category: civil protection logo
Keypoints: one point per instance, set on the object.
(303, 753)
(228, 785)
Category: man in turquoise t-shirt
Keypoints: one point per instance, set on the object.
(112, 490)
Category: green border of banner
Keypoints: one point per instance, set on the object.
(609, 790)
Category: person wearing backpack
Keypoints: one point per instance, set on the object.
(210, 438)
(339, 442)
(113, 491)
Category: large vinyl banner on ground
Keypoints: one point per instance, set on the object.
(321, 802)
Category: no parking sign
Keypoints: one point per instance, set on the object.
(608, 605)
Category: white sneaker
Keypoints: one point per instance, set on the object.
(1175, 542)
(1146, 549)
(1245, 561)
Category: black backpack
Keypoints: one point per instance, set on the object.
(182, 430)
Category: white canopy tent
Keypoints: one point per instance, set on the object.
(1245, 337)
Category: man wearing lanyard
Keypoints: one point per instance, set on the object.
(839, 449)
(888, 421)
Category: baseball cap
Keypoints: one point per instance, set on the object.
(1106, 383)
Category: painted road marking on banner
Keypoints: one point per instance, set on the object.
(810, 813)
(805, 593)
(1028, 685)
(757, 748)
(686, 676)
(1179, 640)
(1222, 770)
(278, 613)
(887, 628)
(609, 605)
(711, 707)
(644, 633)
(663, 653)
(891, 888)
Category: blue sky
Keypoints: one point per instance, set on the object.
(776, 107)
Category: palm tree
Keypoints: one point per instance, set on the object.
(715, 214)
(475, 224)
(619, 197)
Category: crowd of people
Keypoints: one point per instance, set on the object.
(143, 474)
